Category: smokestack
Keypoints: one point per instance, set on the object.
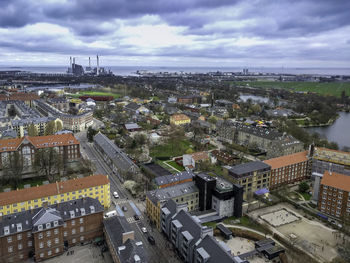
(73, 60)
(89, 63)
(70, 60)
(98, 65)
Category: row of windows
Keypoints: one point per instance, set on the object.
(41, 244)
(20, 246)
(49, 253)
(65, 233)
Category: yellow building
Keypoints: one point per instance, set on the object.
(185, 193)
(179, 119)
(95, 186)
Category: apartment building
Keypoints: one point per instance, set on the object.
(44, 232)
(193, 242)
(21, 126)
(251, 176)
(122, 243)
(186, 193)
(273, 142)
(289, 169)
(118, 161)
(173, 179)
(179, 119)
(66, 145)
(334, 194)
(94, 186)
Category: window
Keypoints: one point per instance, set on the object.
(64, 224)
(81, 220)
(21, 256)
(40, 235)
(30, 243)
(41, 255)
(57, 250)
(73, 231)
(65, 233)
(48, 233)
(55, 223)
(41, 244)
(57, 240)
(20, 246)
(49, 253)
(29, 234)
(73, 223)
(9, 239)
(82, 238)
(48, 225)
(49, 243)
(81, 229)
(40, 227)
(74, 240)
(10, 249)
(56, 231)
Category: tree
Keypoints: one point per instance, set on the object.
(91, 132)
(303, 187)
(13, 168)
(32, 130)
(59, 126)
(50, 128)
(48, 162)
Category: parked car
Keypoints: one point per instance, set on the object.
(144, 230)
(124, 208)
(151, 240)
(136, 217)
(115, 194)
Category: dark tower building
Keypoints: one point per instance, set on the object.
(206, 185)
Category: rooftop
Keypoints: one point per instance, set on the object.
(339, 181)
(22, 195)
(179, 117)
(286, 160)
(246, 168)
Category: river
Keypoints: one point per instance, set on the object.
(338, 132)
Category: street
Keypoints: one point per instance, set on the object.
(129, 206)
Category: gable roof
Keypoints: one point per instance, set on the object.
(287, 160)
(46, 216)
(33, 193)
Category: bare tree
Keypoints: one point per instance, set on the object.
(13, 168)
(48, 162)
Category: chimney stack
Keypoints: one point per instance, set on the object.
(73, 60)
(70, 61)
(98, 65)
(89, 63)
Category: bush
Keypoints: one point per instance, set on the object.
(303, 187)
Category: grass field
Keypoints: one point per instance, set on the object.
(176, 166)
(326, 89)
(170, 149)
(95, 93)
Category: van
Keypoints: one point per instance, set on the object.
(110, 214)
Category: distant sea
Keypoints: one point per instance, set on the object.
(131, 70)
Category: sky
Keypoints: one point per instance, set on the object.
(220, 33)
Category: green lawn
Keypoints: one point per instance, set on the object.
(175, 165)
(170, 149)
(326, 89)
(307, 196)
(95, 93)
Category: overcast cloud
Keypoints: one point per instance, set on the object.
(290, 33)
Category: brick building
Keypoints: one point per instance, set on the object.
(289, 169)
(334, 194)
(44, 232)
(65, 144)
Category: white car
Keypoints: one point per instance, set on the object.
(115, 194)
(144, 230)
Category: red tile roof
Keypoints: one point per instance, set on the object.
(17, 196)
(287, 160)
(339, 181)
(10, 145)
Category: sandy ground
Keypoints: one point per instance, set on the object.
(311, 236)
(279, 217)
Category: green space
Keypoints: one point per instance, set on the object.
(175, 165)
(306, 196)
(324, 88)
(170, 149)
(31, 181)
(95, 93)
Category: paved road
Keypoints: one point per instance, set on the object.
(160, 252)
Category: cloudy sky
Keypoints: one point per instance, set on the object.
(270, 33)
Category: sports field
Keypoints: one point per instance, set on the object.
(326, 89)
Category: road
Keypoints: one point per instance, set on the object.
(161, 252)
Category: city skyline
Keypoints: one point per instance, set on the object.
(258, 33)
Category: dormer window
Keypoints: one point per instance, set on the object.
(19, 227)
(6, 230)
(55, 223)
(40, 227)
(72, 215)
(48, 225)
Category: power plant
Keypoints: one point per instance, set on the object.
(78, 70)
